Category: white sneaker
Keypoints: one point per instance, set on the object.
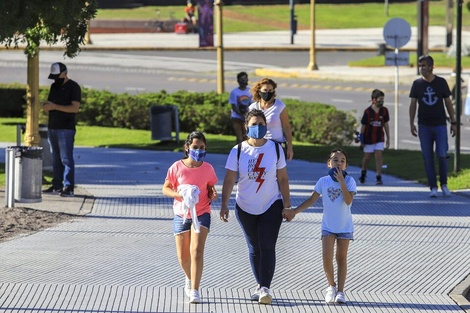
(265, 296)
(445, 191)
(255, 295)
(340, 297)
(187, 286)
(194, 296)
(433, 193)
(330, 294)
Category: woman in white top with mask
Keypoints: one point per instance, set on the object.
(279, 129)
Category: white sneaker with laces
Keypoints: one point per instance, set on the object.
(255, 295)
(194, 296)
(445, 191)
(433, 193)
(265, 296)
(330, 294)
(187, 286)
(340, 297)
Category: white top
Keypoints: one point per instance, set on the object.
(257, 183)
(273, 120)
(239, 98)
(337, 217)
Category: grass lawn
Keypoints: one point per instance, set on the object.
(407, 164)
(237, 18)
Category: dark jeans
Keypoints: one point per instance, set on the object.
(63, 165)
(427, 137)
(261, 232)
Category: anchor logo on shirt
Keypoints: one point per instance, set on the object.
(430, 99)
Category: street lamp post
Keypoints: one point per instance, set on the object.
(220, 48)
(312, 66)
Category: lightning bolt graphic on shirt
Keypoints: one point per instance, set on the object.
(260, 171)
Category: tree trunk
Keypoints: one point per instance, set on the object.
(32, 137)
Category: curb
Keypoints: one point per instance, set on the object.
(81, 204)
(192, 48)
(289, 73)
(459, 293)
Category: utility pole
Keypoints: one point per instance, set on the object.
(423, 22)
(458, 84)
(312, 66)
(220, 48)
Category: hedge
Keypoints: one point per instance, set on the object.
(208, 112)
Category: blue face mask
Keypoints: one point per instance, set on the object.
(197, 154)
(332, 172)
(257, 131)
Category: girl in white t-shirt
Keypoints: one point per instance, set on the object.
(261, 199)
(190, 181)
(337, 190)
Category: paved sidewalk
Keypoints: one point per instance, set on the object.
(409, 253)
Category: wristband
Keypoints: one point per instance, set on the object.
(289, 208)
(361, 138)
(453, 123)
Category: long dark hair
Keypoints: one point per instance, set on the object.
(195, 134)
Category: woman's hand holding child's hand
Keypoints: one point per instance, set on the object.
(288, 214)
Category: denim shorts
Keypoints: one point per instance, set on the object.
(180, 227)
(349, 236)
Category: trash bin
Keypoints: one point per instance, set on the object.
(163, 121)
(27, 178)
(44, 143)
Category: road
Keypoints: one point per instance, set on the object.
(153, 71)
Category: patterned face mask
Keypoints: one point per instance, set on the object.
(197, 155)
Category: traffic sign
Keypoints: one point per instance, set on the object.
(397, 32)
(399, 59)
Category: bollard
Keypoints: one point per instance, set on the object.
(9, 176)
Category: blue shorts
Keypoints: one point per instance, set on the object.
(179, 227)
(349, 236)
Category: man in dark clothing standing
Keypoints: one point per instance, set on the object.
(430, 95)
(62, 106)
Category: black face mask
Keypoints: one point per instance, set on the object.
(59, 81)
(266, 96)
(243, 82)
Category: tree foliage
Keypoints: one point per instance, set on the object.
(31, 22)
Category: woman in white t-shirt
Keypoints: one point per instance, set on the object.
(279, 129)
(261, 199)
